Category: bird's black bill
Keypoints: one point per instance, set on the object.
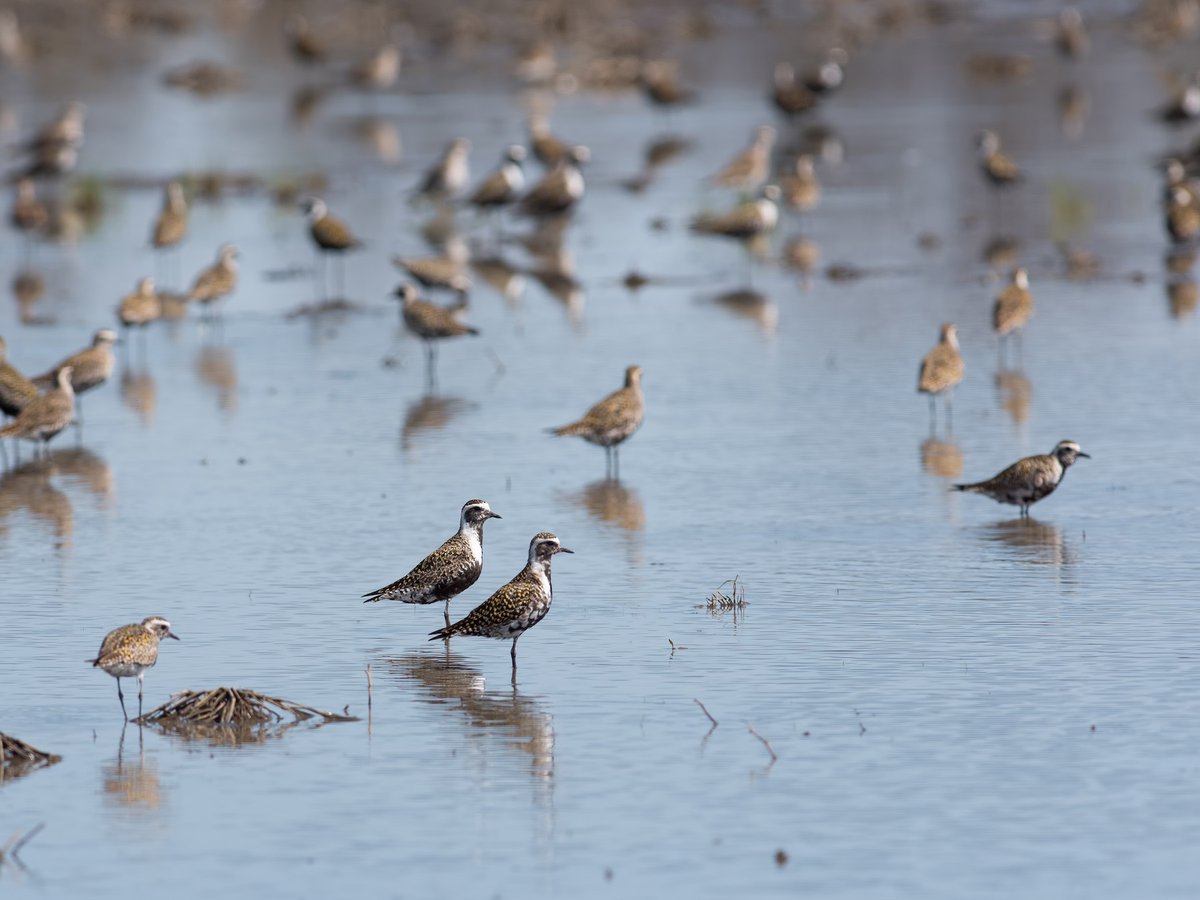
(172, 634)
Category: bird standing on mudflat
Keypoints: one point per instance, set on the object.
(613, 420)
(1028, 480)
(128, 651)
(517, 606)
(447, 571)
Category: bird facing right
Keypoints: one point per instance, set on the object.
(128, 651)
(1029, 480)
(614, 419)
(447, 571)
(517, 606)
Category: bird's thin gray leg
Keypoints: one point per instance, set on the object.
(446, 613)
(140, 696)
(514, 653)
(121, 697)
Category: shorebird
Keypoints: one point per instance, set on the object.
(1070, 34)
(450, 174)
(941, 369)
(29, 214)
(613, 420)
(141, 307)
(171, 224)
(660, 83)
(750, 168)
(1028, 480)
(303, 42)
(547, 149)
(128, 651)
(447, 571)
(46, 414)
(828, 76)
(379, 73)
(747, 219)
(502, 186)
(67, 129)
(801, 189)
(517, 606)
(1185, 105)
(1182, 215)
(1014, 305)
(560, 188)
(998, 167)
(218, 280)
(330, 234)
(16, 391)
(447, 271)
(430, 322)
(89, 367)
(789, 96)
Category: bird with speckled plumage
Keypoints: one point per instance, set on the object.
(16, 391)
(447, 571)
(614, 419)
(1013, 307)
(128, 651)
(1029, 480)
(517, 606)
(997, 166)
(942, 368)
(90, 367)
(218, 280)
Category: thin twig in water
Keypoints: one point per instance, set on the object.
(765, 742)
(704, 710)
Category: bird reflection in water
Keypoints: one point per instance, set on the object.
(518, 722)
(556, 273)
(1181, 298)
(941, 457)
(1015, 393)
(216, 368)
(27, 488)
(1031, 541)
(381, 137)
(140, 394)
(130, 783)
(88, 470)
(613, 502)
(747, 303)
(28, 287)
(430, 413)
(500, 276)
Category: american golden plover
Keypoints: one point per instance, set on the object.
(998, 168)
(613, 420)
(379, 72)
(828, 75)
(503, 185)
(1182, 216)
(450, 174)
(16, 391)
(746, 220)
(128, 651)
(89, 367)
(28, 215)
(749, 168)
(430, 322)
(447, 271)
(941, 369)
(141, 307)
(660, 83)
(330, 234)
(789, 96)
(1070, 35)
(517, 606)
(218, 280)
(547, 149)
(1013, 306)
(1185, 105)
(303, 42)
(46, 414)
(801, 189)
(171, 224)
(560, 188)
(447, 571)
(1028, 480)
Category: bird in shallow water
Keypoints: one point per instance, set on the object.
(941, 369)
(1029, 480)
(503, 185)
(128, 651)
(749, 218)
(613, 420)
(997, 166)
(90, 367)
(218, 280)
(46, 414)
(16, 391)
(430, 322)
(450, 174)
(141, 307)
(560, 188)
(517, 606)
(330, 234)
(447, 571)
(789, 96)
(751, 166)
(1013, 307)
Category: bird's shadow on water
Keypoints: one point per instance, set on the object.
(130, 782)
(504, 718)
(1028, 540)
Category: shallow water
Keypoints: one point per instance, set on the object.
(963, 704)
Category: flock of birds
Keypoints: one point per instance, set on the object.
(43, 406)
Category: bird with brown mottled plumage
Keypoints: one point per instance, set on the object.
(559, 189)
(303, 42)
(801, 188)
(789, 96)
(430, 322)
(447, 271)
(613, 420)
(16, 391)
(90, 367)
(28, 214)
(517, 606)
(1029, 480)
(751, 166)
(746, 220)
(1014, 305)
(171, 224)
(450, 174)
(140, 308)
(942, 368)
(447, 571)
(128, 651)
(1182, 216)
(997, 166)
(218, 280)
(502, 186)
(46, 414)
(379, 72)
(547, 149)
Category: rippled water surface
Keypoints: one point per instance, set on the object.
(962, 703)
